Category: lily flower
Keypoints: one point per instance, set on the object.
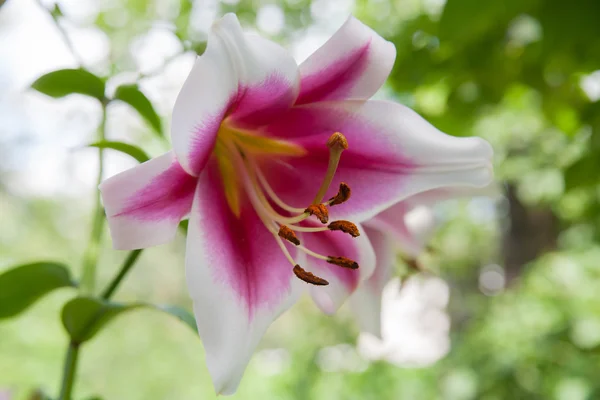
(265, 156)
(405, 229)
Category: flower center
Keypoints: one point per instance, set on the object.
(237, 153)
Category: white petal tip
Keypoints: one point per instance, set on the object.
(486, 149)
(324, 301)
(487, 175)
(225, 20)
(476, 148)
(224, 387)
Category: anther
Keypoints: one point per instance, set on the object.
(319, 211)
(309, 277)
(344, 226)
(343, 262)
(342, 195)
(288, 234)
(337, 141)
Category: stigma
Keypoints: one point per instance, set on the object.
(237, 157)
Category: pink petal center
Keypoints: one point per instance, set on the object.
(337, 78)
(168, 196)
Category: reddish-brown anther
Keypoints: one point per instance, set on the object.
(308, 277)
(343, 262)
(344, 226)
(288, 235)
(342, 195)
(319, 211)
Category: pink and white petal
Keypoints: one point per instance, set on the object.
(206, 96)
(411, 226)
(353, 64)
(342, 281)
(412, 221)
(238, 278)
(244, 78)
(431, 197)
(394, 153)
(269, 82)
(366, 301)
(145, 204)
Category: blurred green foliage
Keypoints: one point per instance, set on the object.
(510, 71)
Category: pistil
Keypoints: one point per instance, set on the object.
(337, 143)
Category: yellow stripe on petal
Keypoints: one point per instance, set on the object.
(264, 145)
(230, 181)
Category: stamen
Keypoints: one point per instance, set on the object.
(255, 191)
(285, 251)
(342, 195)
(271, 193)
(313, 254)
(259, 202)
(319, 211)
(309, 277)
(343, 262)
(337, 143)
(311, 229)
(344, 226)
(282, 227)
(288, 234)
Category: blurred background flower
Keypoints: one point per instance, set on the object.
(415, 328)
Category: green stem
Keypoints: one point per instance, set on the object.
(63, 33)
(90, 259)
(69, 371)
(91, 255)
(114, 284)
(70, 367)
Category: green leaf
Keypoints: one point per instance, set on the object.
(583, 173)
(132, 95)
(84, 317)
(183, 226)
(181, 313)
(21, 286)
(68, 81)
(199, 48)
(129, 149)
